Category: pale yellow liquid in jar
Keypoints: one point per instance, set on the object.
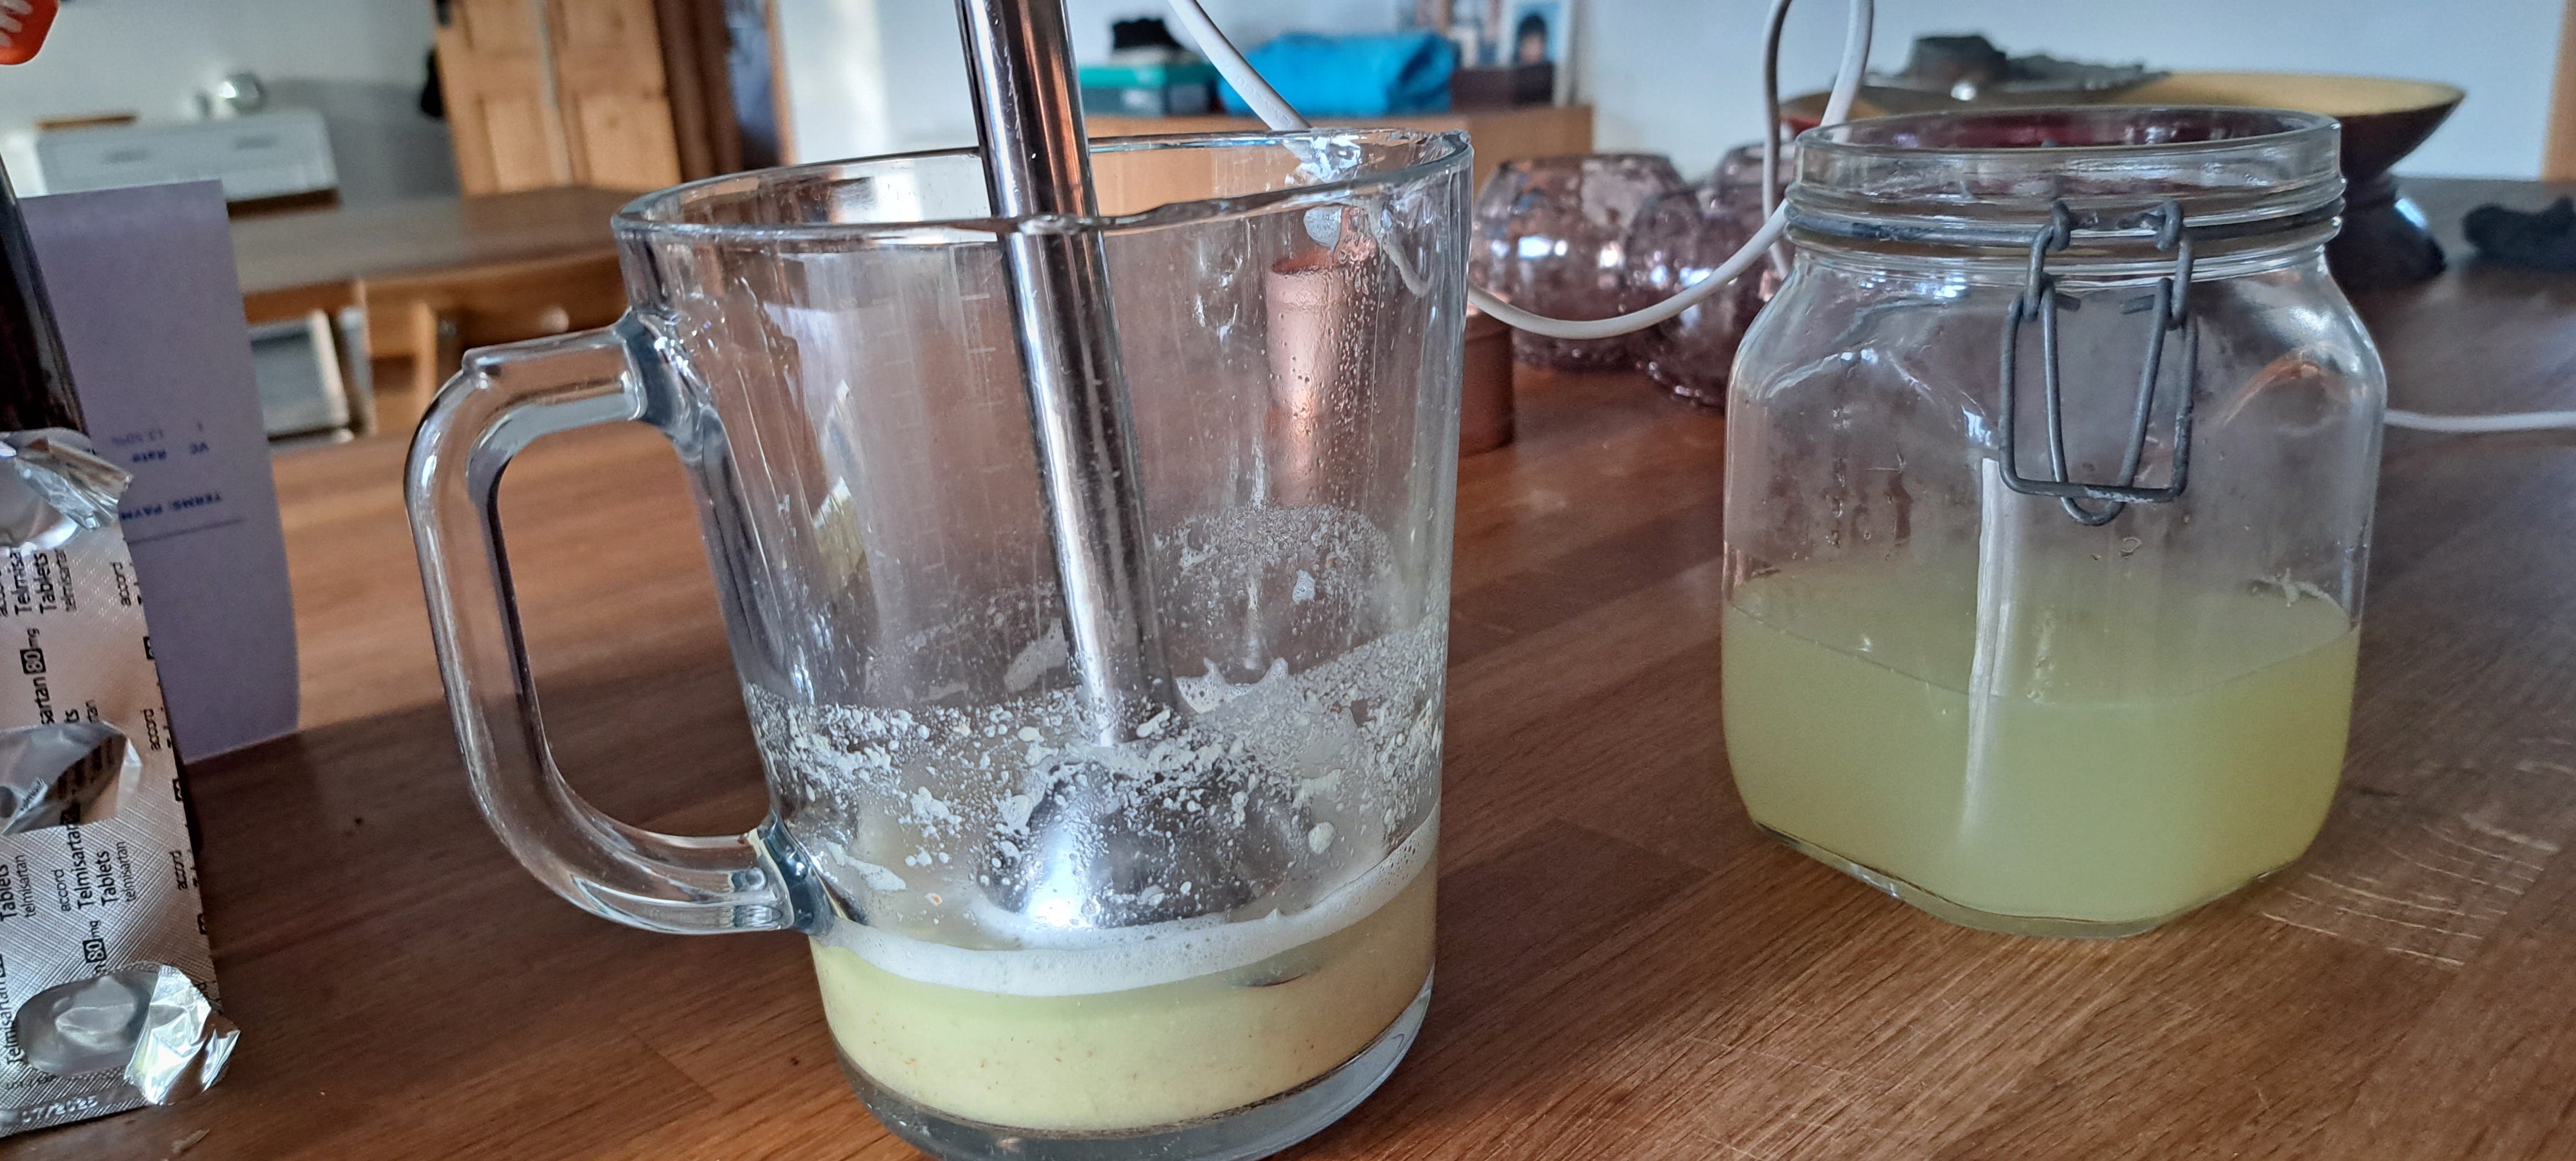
(2125, 771)
(1141, 1057)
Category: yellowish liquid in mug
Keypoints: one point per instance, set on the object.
(2141, 769)
(1141, 1057)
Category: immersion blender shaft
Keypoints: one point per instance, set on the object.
(1036, 162)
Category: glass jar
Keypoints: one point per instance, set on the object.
(1680, 238)
(1737, 180)
(1550, 236)
(2049, 488)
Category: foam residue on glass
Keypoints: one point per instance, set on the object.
(1287, 803)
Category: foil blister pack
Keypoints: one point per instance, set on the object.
(107, 987)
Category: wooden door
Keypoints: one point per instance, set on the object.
(493, 66)
(581, 92)
(614, 99)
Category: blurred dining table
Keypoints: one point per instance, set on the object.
(302, 260)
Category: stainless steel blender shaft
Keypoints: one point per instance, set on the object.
(1092, 854)
(1037, 161)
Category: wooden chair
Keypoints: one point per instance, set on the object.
(439, 315)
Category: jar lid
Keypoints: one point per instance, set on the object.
(1991, 177)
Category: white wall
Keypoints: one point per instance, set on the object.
(378, 41)
(837, 96)
(884, 76)
(1682, 76)
(926, 74)
(147, 56)
(360, 62)
(1246, 22)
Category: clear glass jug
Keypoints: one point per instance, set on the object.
(2049, 481)
(1209, 940)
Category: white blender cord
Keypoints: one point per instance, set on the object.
(1275, 112)
(2481, 424)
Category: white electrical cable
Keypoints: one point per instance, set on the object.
(1277, 114)
(2482, 424)
(1772, 28)
(1266, 102)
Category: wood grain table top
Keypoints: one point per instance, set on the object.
(1626, 969)
(309, 256)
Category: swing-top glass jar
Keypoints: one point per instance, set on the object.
(2049, 487)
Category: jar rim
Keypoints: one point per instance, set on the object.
(2237, 169)
(2199, 129)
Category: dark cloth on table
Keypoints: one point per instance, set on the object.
(2545, 240)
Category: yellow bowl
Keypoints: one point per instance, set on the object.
(2384, 118)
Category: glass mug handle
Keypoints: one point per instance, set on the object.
(504, 399)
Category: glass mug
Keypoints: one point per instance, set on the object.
(1208, 941)
(2049, 486)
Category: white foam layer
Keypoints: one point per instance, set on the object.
(1122, 959)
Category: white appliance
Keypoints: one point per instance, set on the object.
(256, 155)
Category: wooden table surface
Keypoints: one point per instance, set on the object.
(1626, 969)
(308, 259)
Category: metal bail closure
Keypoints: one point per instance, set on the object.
(2039, 301)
